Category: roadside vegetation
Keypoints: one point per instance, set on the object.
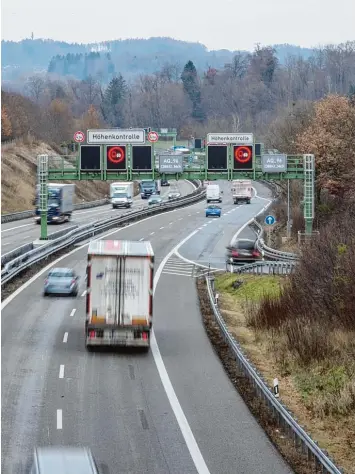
(301, 329)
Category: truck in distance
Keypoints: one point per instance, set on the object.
(241, 190)
(121, 194)
(213, 193)
(60, 203)
(119, 299)
(149, 187)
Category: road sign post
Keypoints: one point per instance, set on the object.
(269, 221)
(42, 169)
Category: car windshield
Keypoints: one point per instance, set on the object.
(61, 274)
(213, 207)
(244, 244)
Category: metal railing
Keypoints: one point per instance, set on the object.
(265, 267)
(301, 439)
(269, 252)
(16, 216)
(16, 265)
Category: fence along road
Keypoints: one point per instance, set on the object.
(54, 392)
(15, 234)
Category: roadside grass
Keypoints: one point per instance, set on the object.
(315, 364)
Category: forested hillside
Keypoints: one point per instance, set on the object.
(129, 57)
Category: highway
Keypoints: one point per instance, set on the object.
(172, 410)
(17, 233)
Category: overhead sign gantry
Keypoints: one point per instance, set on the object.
(124, 154)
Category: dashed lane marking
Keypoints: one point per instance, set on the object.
(65, 338)
(61, 371)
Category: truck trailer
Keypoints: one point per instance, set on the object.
(121, 194)
(60, 202)
(119, 298)
(241, 190)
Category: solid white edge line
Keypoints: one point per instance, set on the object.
(59, 419)
(65, 337)
(61, 371)
(186, 431)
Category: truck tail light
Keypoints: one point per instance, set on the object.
(256, 253)
(145, 336)
(92, 334)
(235, 253)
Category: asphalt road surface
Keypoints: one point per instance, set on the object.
(172, 410)
(17, 233)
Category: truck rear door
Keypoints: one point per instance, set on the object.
(104, 297)
(135, 290)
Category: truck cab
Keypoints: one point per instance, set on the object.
(60, 203)
(147, 188)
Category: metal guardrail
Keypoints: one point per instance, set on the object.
(265, 267)
(269, 252)
(300, 437)
(22, 262)
(16, 216)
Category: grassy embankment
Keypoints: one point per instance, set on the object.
(313, 359)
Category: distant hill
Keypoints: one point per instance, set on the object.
(129, 57)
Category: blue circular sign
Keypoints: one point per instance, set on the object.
(270, 220)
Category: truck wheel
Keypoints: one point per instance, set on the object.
(88, 348)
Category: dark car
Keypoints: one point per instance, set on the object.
(243, 250)
(164, 182)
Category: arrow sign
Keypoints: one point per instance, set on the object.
(270, 220)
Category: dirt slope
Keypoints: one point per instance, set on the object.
(18, 177)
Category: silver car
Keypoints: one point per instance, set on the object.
(62, 459)
(174, 195)
(61, 281)
(155, 200)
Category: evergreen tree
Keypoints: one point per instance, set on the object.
(192, 89)
(114, 100)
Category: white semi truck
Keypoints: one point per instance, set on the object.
(119, 299)
(121, 194)
(242, 190)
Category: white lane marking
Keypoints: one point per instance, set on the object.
(180, 219)
(72, 312)
(61, 372)
(18, 227)
(140, 240)
(83, 293)
(171, 223)
(152, 233)
(189, 215)
(59, 259)
(198, 212)
(186, 431)
(59, 419)
(161, 228)
(4, 245)
(209, 222)
(65, 338)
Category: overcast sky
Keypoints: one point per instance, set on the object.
(222, 24)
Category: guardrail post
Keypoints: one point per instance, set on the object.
(42, 165)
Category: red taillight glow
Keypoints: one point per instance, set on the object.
(145, 336)
(72, 282)
(92, 334)
(235, 253)
(256, 253)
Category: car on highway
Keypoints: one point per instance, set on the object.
(174, 195)
(61, 281)
(164, 182)
(213, 211)
(155, 200)
(243, 250)
(62, 459)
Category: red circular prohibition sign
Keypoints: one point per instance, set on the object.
(116, 155)
(242, 154)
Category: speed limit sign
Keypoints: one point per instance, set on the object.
(79, 137)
